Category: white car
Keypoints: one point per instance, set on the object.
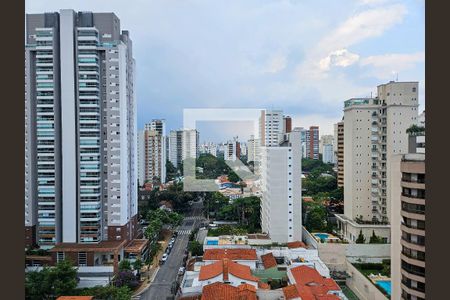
(164, 257)
(181, 271)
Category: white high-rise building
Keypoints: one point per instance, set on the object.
(271, 127)
(189, 142)
(175, 144)
(375, 130)
(281, 204)
(253, 146)
(232, 150)
(183, 144)
(327, 139)
(80, 136)
(141, 156)
(208, 148)
(328, 154)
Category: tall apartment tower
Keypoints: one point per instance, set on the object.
(287, 124)
(175, 146)
(375, 130)
(271, 127)
(252, 148)
(281, 211)
(183, 143)
(339, 151)
(80, 136)
(189, 144)
(152, 152)
(232, 150)
(408, 221)
(327, 139)
(312, 142)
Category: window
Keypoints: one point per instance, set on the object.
(60, 256)
(82, 259)
(414, 89)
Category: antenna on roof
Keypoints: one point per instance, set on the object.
(397, 77)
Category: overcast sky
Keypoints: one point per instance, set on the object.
(305, 57)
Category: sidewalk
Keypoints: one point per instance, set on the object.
(150, 273)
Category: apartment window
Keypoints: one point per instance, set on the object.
(414, 89)
(82, 259)
(60, 256)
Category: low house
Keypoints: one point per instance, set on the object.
(242, 256)
(308, 284)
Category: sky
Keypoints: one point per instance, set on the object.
(302, 56)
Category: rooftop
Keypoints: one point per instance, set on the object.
(312, 286)
(136, 246)
(232, 254)
(103, 246)
(268, 260)
(296, 244)
(226, 267)
(222, 291)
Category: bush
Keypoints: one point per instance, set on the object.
(195, 248)
(126, 278)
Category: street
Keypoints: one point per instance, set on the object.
(161, 287)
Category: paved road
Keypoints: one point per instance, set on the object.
(161, 287)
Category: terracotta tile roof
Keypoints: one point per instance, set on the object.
(290, 292)
(75, 298)
(263, 285)
(268, 260)
(312, 286)
(233, 254)
(296, 244)
(222, 291)
(225, 267)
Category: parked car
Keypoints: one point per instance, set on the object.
(164, 257)
(181, 271)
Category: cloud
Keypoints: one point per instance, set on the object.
(339, 58)
(384, 66)
(367, 24)
(276, 64)
(372, 2)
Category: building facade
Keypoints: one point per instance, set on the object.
(270, 127)
(175, 146)
(408, 222)
(328, 154)
(281, 211)
(80, 136)
(375, 130)
(327, 139)
(339, 151)
(232, 150)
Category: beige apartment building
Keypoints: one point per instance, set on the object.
(408, 222)
(375, 130)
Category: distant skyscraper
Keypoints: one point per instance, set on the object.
(232, 150)
(339, 151)
(175, 146)
(270, 127)
(183, 143)
(152, 150)
(324, 140)
(375, 130)
(189, 144)
(312, 142)
(287, 124)
(281, 210)
(80, 137)
(328, 154)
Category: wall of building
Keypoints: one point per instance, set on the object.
(361, 285)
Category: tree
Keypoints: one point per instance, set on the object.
(361, 239)
(108, 292)
(137, 265)
(374, 239)
(316, 219)
(171, 171)
(415, 130)
(124, 265)
(51, 282)
(125, 278)
(233, 177)
(195, 248)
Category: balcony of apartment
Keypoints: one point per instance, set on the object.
(413, 184)
(408, 291)
(413, 230)
(408, 243)
(413, 259)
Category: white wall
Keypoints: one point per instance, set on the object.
(363, 287)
